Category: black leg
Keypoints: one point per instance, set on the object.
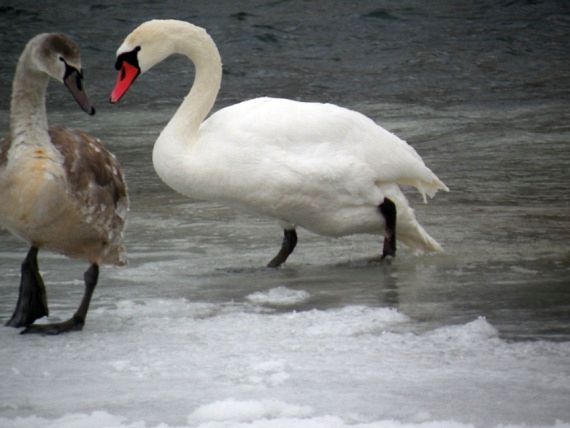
(76, 322)
(287, 247)
(32, 300)
(388, 210)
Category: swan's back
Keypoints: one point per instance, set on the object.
(321, 132)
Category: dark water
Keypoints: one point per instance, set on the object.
(480, 89)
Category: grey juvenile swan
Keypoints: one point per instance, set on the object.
(60, 189)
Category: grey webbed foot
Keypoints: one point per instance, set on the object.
(76, 322)
(72, 324)
(32, 300)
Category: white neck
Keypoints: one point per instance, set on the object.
(28, 118)
(177, 138)
(171, 153)
(197, 45)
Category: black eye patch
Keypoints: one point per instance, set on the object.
(78, 74)
(130, 57)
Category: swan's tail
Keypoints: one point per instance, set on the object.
(408, 230)
(430, 188)
(418, 239)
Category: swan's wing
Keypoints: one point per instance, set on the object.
(95, 180)
(321, 131)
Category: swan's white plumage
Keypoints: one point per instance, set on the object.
(319, 166)
(323, 133)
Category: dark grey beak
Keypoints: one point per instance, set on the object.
(73, 80)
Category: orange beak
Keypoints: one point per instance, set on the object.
(127, 75)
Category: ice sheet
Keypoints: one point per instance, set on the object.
(172, 362)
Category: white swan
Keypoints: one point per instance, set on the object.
(328, 169)
(60, 189)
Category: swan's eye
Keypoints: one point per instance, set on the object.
(61, 59)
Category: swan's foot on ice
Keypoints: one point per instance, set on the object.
(72, 324)
(76, 322)
(32, 300)
(287, 247)
(388, 210)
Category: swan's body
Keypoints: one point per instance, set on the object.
(295, 169)
(60, 189)
(319, 166)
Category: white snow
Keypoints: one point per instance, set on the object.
(247, 411)
(279, 296)
(233, 414)
(175, 363)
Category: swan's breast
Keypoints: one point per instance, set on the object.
(32, 188)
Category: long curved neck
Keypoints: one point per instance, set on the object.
(28, 118)
(198, 46)
(171, 150)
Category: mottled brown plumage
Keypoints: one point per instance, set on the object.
(96, 182)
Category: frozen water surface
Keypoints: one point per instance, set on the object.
(185, 363)
(195, 332)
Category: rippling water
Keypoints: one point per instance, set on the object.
(480, 90)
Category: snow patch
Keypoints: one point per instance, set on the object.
(247, 411)
(231, 413)
(74, 420)
(477, 330)
(354, 321)
(279, 296)
(271, 372)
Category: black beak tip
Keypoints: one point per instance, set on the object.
(92, 112)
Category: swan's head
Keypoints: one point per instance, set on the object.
(147, 45)
(58, 56)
